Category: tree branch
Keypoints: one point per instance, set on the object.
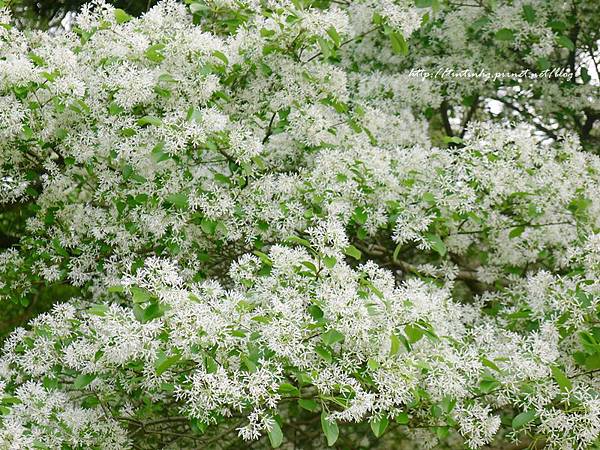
(469, 116)
(530, 116)
(445, 120)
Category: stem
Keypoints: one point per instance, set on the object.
(444, 107)
(269, 129)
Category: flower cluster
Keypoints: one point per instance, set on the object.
(302, 324)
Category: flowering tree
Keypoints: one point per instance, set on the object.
(265, 249)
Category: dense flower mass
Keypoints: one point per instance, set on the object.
(266, 247)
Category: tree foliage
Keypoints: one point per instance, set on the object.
(257, 244)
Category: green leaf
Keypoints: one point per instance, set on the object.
(523, 419)
(352, 251)
(167, 78)
(264, 32)
(157, 152)
(436, 244)
(565, 42)
(308, 404)
(447, 404)
(208, 226)
(414, 333)
(372, 364)
(164, 362)
(373, 289)
(585, 75)
(558, 25)
(329, 262)
(543, 64)
(399, 44)
(179, 200)
(265, 69)
(275, 435)
(221, 227)
(140, 295)
(121, 16)
(288, 389)
(210, 364)
(402, 418)
(561, 379)
(221, 56)
(429, 198)
(442, 432)
(332, 336)
(529, 13)
(59, 248)
(324, 353)
(153, 53)
(198, 7)
(315, 312)
(114, 109)
(138, 313)
(453, 140)
(198, 426)
(330, 429)
(37, 60)
(326, 49)
(335, 37)
(516, 231)
(486, 362)
(299, 241)
(488, 384)
(249, 363)
(149, 120)
(589, 342)
(10, 401)
(379, 426)
(151, 312)
(264, 258)
(479, 23)
(423, 3)
(592, 362)
(310, 266)
(360, 216)
(505, 34)
(396, 252)
(83, 380)
(98, 310)
(395, 345)
(129, 174)
(377, 19)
